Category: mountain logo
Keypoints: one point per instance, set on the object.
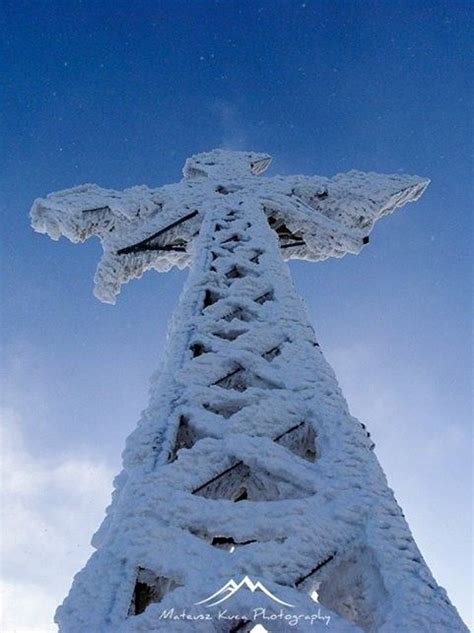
(231, 587)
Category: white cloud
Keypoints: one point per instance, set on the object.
(50, 509)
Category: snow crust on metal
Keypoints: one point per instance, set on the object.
(247, 461)
(329, 216)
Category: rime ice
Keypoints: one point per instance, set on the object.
(315, 217)
(247, 461)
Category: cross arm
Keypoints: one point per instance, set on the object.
(139, 228)
(319, 217)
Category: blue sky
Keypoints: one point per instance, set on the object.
(119, 95)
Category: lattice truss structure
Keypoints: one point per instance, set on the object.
(247, 461)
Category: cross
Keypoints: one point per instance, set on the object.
(143, 228)
(247, 440)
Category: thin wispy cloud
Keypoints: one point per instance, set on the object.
(231, 126)
(51, 508)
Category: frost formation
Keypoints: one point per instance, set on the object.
(247, 462)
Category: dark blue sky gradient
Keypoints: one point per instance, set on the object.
(120, 95)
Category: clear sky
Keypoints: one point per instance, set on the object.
(120, 93)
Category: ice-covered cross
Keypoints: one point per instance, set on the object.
(142, 228)
(246, 462)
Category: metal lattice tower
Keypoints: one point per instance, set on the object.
(247, 462)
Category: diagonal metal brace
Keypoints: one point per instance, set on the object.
(317, 568)
(293, 244)
(240, 462)
(96, 210)
(143, 245)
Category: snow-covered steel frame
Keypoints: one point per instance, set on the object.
(247, 462)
